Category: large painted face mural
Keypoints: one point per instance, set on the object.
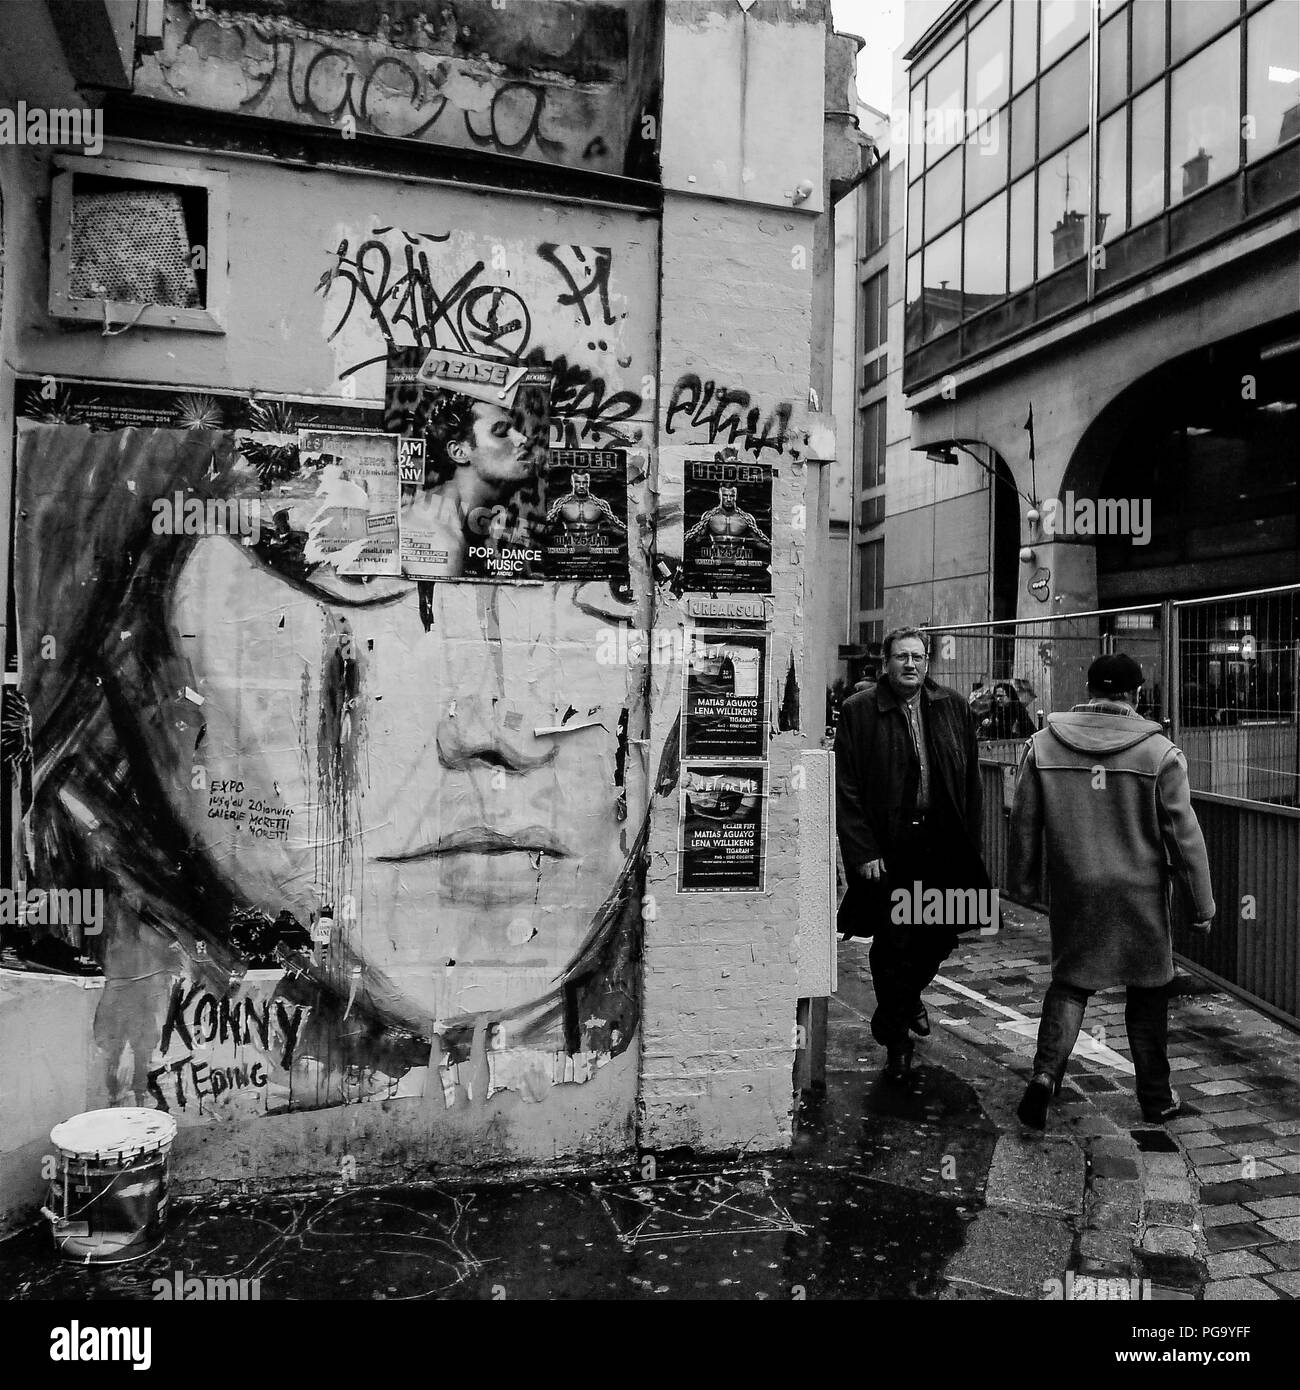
(359, 834)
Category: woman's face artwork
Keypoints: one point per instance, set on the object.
(444, 780)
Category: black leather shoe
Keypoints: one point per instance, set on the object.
(920, 1024)
(1167, 1113)
(898, 1066)
(1034, 1103)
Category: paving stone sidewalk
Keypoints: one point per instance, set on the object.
(1208, 1205)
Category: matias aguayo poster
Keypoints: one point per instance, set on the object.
(727, 527)
(723, 845)
(724, 697)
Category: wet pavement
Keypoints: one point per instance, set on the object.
(926, 1191)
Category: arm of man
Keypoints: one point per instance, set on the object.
(852, 821)
(1184, 843)
(1025, 836)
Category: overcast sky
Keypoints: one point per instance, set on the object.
(880, 22)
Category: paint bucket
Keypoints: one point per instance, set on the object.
(108, 1202)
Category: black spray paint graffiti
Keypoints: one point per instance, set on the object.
(717, 411)
(384, 96)
(598, 280)
(411, 309)
(197, 1018)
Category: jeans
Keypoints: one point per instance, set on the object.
(1146, 1017)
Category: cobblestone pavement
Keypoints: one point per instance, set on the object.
(1209, 1204)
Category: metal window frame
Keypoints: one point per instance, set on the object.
(211, 318)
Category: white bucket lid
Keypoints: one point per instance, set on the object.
(121, 1133)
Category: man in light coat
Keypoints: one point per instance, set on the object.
(1111, 793)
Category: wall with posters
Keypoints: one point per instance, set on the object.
(365, 834)
(389, 830)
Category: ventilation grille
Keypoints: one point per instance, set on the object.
(131, 248)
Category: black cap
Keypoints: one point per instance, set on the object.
(1114, 675)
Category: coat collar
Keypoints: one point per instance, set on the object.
(887, 700)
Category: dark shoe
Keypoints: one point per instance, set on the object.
(1166, 1113)
(898, 1066)
(920, 1024)
(1034, 1103)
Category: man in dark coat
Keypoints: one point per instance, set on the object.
(1111, 793)
(908, 812)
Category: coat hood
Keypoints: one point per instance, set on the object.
(1091, 730)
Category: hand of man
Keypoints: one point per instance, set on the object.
(1200, 928)
(872, 869)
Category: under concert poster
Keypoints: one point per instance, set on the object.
(727, 527)
(479, 512)
(724, 698)
(723, 846)
(586, 515)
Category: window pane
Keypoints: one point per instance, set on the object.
(943, 194)
(1272, 77)
(912, 305)
(1064, 110)
(945, 123)
(870, 444)
(1148, 195)
(986, 160)
(1022, 131)
(1065, 22)
(1112, 197)
(1204, 114)
(985, 279)
(1062, 207)
(1192, 24)
(1024, 54)
(942, 284)
(916, 155)
(990, 43)
(1022, 234)
(1148, 40)
(1113, 61)
(914, 215)
(873, 312)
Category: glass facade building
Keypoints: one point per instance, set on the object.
(1059, 150)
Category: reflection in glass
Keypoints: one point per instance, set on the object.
(1064, 110)
(943, 95)
(916, 155)
(1272, 77)
(1192, 24)
(912, 305)
(1148, 183)
(1064, 22)
(986, 161)
(1024, 39)
(1112, 62)
(914, 215)
(1022, 234)
(1148, 40)
(1112, 191)
(985, 279)
(1204, 113)
(1022, 131)
(942, 284)
(1063, 207)
(990, 42)
(943, 194)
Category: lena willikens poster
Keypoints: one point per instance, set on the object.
(724, 696)
(723, 828)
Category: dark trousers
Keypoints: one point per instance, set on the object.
(1146, 1017)
(905, 957)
